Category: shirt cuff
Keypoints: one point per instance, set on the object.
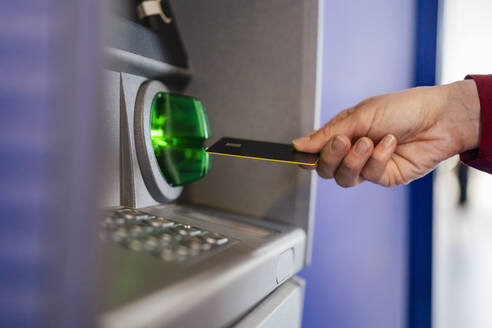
(472, 159)
(481, 158)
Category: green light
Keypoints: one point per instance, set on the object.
(179, 126)
(156, 134)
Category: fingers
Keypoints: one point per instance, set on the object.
(348, 173)
(332, 154)
(350, 165)
(375, 168)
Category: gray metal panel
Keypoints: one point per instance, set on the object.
(134, 191)
(254, 67)
(122, 174)
(122, 33)
(282, 308)
(110, 129)
(226, 284)
(125, 61)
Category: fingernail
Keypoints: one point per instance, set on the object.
(299, 142)
(362, 147)
(338, 145)
(388, 141)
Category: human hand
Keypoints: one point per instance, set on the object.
(395, 138)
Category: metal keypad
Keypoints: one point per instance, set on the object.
(162, 237)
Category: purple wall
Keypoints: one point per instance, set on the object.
(357, 276)
(48, 134)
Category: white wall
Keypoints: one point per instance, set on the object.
(462, 277)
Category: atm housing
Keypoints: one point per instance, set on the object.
(254, 65)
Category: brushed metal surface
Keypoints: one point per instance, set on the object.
(282, 308)
(255, 66)
(144, 291)
(132, 178)
(125, 61)
(110, 133)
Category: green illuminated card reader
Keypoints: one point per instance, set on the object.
(170, 130)
(178, 128)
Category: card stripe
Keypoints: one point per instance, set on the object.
(265, 159)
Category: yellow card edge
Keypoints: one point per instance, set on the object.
(265, 159)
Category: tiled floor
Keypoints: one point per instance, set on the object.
(462, 252)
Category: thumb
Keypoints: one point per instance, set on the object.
(316, 140)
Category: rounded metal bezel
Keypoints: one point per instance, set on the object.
(157, 186)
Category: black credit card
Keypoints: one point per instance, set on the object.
(268, 151)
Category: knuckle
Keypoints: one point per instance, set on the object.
(343, 115)
(363, 103)
(351, 167)
(325, 154)
(329, 158)
(369, 174)
(378, 159)
(368, 101)
(326, 131)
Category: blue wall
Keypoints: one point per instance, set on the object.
(419, 298)
(358, 273)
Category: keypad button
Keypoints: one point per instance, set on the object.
(216, 239)
(182, 250)
(126, 213)
(147, 229)
(119, 221)
(119, 235)
(199, 243)
(108, 222)
(221, 241)
(151, 244)
(143, 216)
(131, 214)
(111, 222)
(136, 245)
(167, 254)
(187, 230)
(193, 231)
(137, 231)
(162, 237)
(195, 244)
(167, 237)
(177, 232)
(161, 223)
(205, 247)
(193, 247)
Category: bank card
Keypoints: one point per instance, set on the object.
(262, 150)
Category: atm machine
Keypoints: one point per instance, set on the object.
(189, 240)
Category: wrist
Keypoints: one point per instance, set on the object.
(464, 103)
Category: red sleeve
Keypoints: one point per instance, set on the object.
(481, 158)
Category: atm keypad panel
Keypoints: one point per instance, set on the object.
(159, 236)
